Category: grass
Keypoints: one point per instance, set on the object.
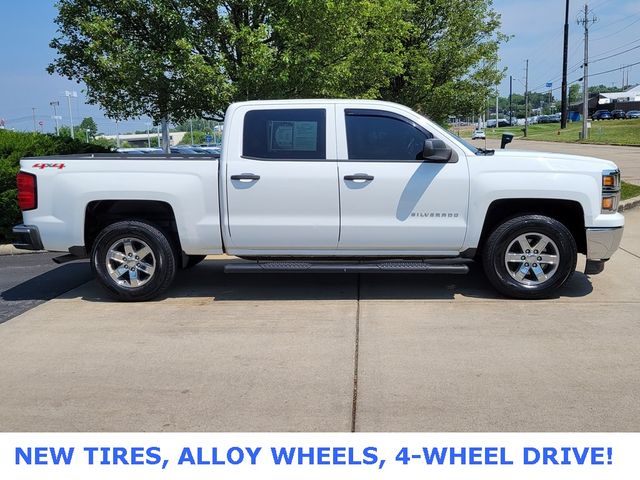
(604, 132)
(629, 190)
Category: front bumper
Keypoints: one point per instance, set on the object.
(603, 242)
(27, 237)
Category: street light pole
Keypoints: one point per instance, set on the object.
(70, 94)
(148, 135)
(511, 100)
(117, 135)
(33, 111)
(86, 130)
(497, 106)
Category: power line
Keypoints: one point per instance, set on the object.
(618, 47)
(615, 54)
(618, 31)
(579, 65)
(601, 4)
(613, 70)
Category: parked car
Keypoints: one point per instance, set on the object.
(336, 186)
(502, 122)
(131, 151)
(555, 118)
(478, 133)
(618, 114)
(633, 114)
(601, 115)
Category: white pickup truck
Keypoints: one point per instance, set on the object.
(326, 186)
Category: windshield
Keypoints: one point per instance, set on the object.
(453, 136)
(474, 149)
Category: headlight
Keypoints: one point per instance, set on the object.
(610, 191)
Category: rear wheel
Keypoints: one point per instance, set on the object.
(133, 260)
(530, 257)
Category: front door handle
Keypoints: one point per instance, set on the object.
(246, 177)
(359, 177)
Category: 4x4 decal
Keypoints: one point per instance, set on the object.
(42, 166)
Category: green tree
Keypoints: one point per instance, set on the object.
(603, 89)
(450, 58)
(179, 59)
(200, 137)
(175, 59)
(88, 123)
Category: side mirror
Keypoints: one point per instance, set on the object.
(436, 151)
(506, 139)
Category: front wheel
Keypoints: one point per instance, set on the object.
(133, 261)
(530, 257)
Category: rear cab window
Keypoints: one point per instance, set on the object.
(282, 134)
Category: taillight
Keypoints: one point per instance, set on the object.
(27, 191)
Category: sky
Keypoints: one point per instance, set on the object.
(535, 27)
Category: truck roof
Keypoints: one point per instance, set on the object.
(318, 101)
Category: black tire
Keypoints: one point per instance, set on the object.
(135, 234)
(194, 260)
(533, 228)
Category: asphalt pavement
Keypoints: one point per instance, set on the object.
(331, 353)
(27, 280)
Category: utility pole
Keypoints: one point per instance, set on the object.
(33, 111)
(55, 104)
(586, 21)
(148, 135)
(191, 127)
(526, 100)
(70, 94)
(565, 58)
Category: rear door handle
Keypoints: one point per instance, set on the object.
(246, 177)
(359, 177)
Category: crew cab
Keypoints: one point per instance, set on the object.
(326, 186)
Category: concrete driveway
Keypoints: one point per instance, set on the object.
(331, 353)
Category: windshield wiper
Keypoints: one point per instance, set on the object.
(485, 151)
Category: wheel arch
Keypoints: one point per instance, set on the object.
(568, 212)
(102, 213)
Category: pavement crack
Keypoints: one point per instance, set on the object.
(354, 402)
(630, 253)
